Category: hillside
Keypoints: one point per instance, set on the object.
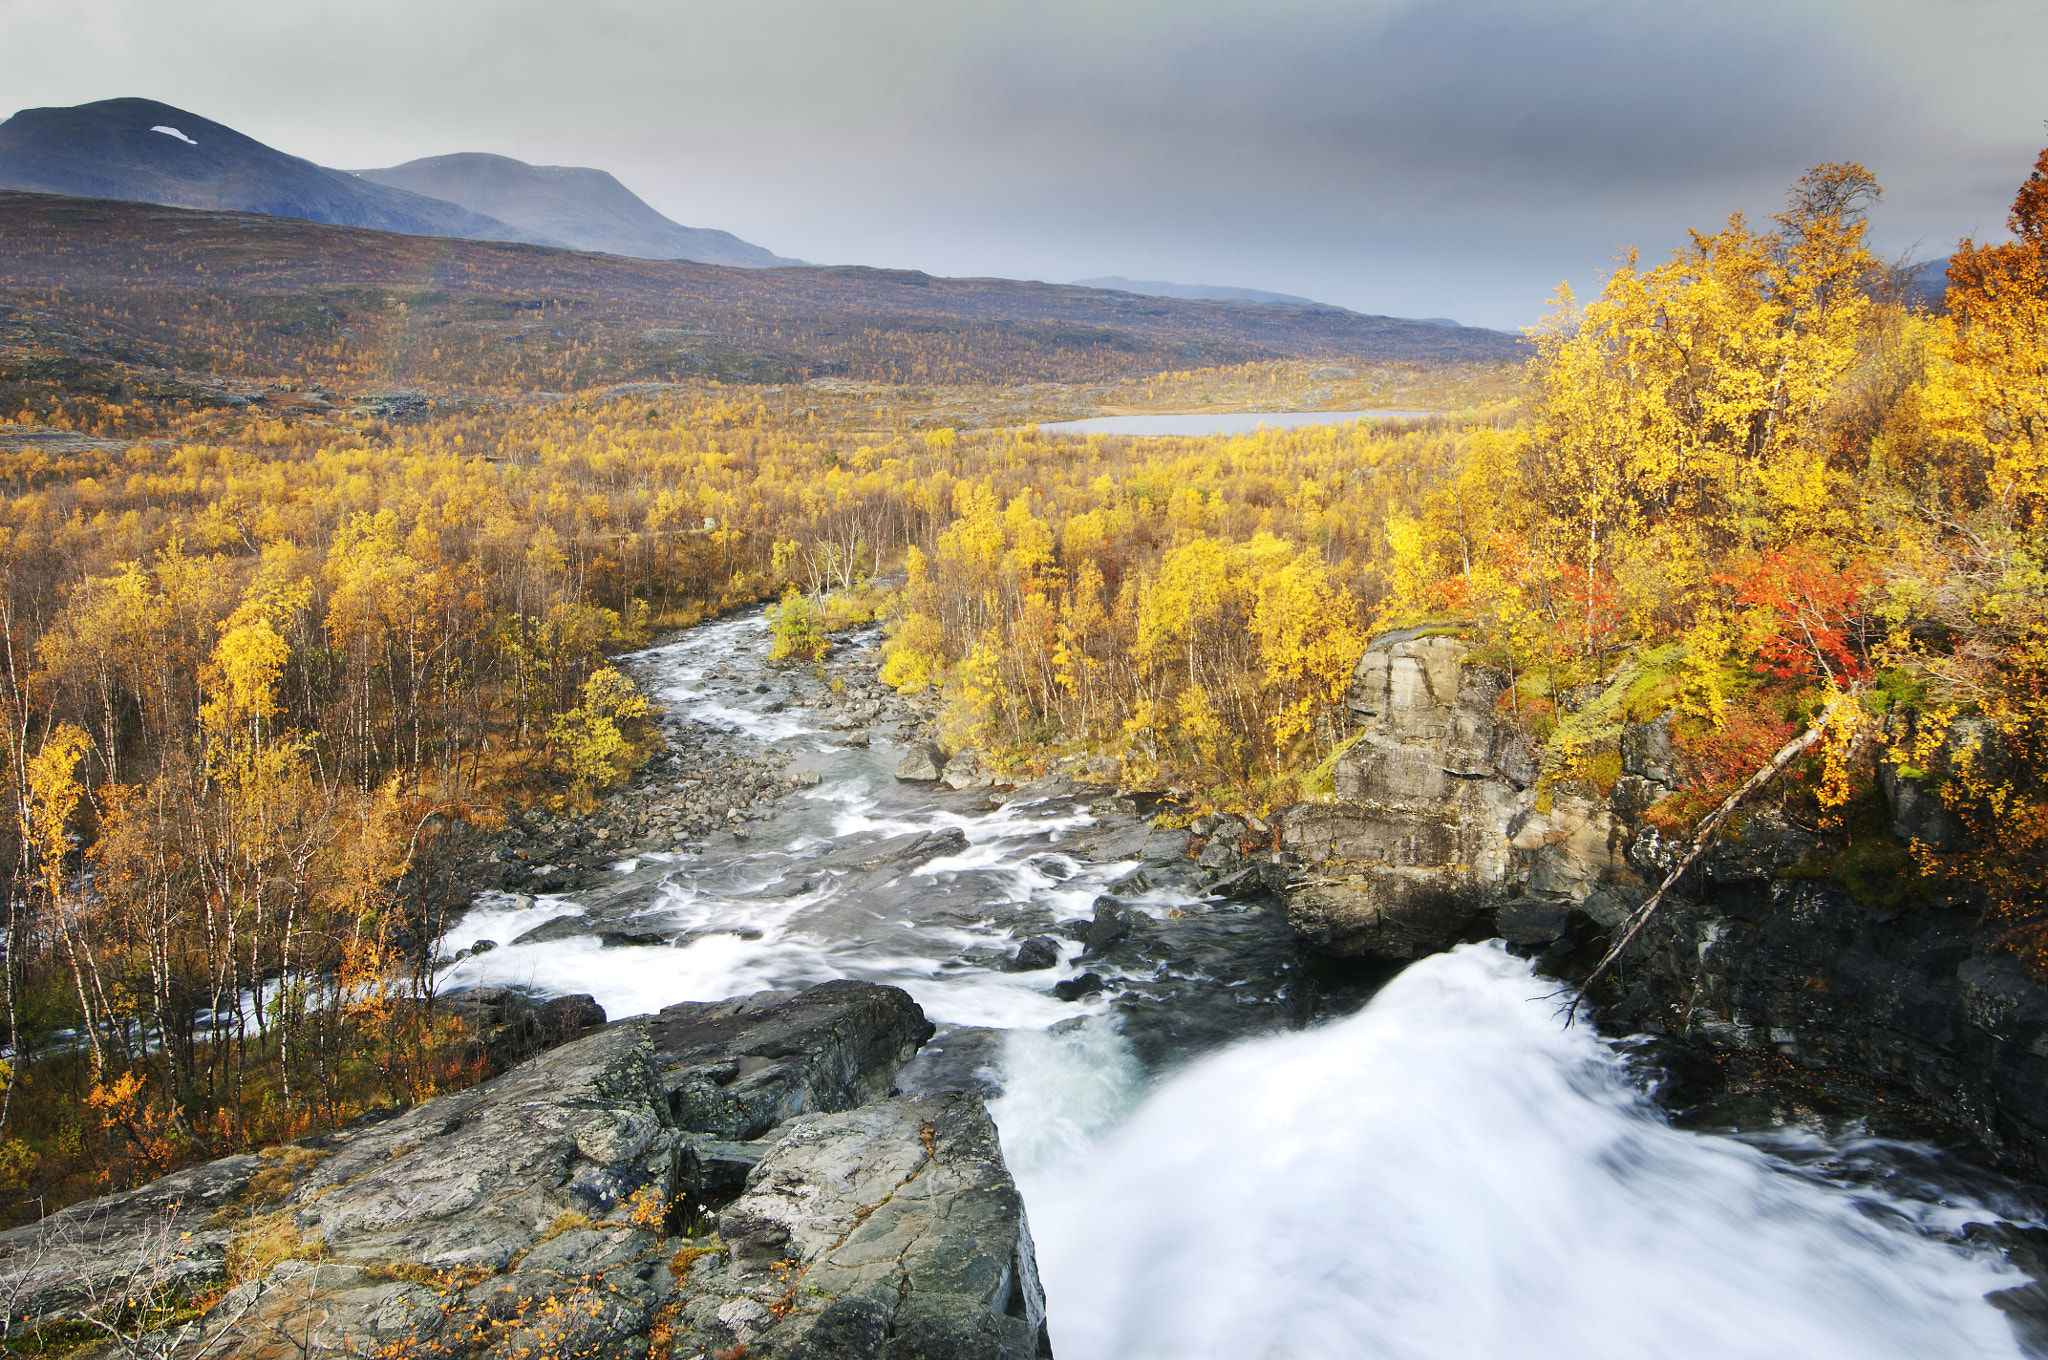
(118, 297)
(146, 152)
(567, 205)
(1198, 292)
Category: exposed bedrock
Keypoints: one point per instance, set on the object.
(1438, 832)
(720, 1175)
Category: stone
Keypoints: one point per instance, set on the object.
(737, 1068)
(1386, 912)
(530, 1179)
(967, 770)
(1038, 952)
(1074, 988)
(564, 1018)
(1112, 925)
(568, 926)
(921, 763)
(905, 1230)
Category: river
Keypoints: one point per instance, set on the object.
(1261, 1163)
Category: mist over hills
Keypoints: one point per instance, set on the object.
(567, 205)
(147, 152)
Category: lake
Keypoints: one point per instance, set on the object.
(1230, 422)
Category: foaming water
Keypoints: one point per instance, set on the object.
(1450, 1173)
(1446, 1174)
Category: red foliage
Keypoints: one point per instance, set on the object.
(1810, 613)
(1720, 759)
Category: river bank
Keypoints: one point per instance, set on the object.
(1219, 1139)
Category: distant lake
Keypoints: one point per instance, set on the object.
(1234, 422)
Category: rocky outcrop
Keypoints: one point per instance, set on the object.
(737, 1068)
(1439, 830)
(893, 1229)
(720, 1175)
(1416, 847)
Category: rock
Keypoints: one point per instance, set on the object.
(967, 770)
(1386, 913)
(1102, 769)
(1112, 925)
(921, 763)
(1647, 751)
(1074, 988)
(967, 1060)
(905, 1230)
(483, 946)
(896, 854)
(856, 740)
(630, 939)
(566, 1017)
(1416, 849)
(568, 926)
(1038, 952)
(736, 1068)
(805, 779)
(530, 1180)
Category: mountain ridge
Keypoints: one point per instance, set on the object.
(142, 151)
(574, 206)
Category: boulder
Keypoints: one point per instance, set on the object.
(967, 770)
(893, 1229)
(737, 1068)
(1414, 848)
(1112, 925)
(922, 763)
(536, 1213)
(1074, 988)
(1038, 952)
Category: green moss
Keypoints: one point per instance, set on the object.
(1321, 782)
(1876, 867)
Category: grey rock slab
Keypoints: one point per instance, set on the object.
(472, 1178)
(893, 1230)
(737, 1068)
(55, 1266)
(898, 854)
(568, 926)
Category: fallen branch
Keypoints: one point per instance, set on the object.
(1703, 836)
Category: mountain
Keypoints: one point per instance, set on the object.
(568, 205)
(106, 292)
(1196, 292)
(1202, 292)
(147, 152)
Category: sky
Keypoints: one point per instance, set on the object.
(1445, 158)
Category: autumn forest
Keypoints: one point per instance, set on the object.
(263, 661)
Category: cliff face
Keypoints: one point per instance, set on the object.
(1438, 833)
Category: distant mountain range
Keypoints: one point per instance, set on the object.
(567, 205)
(1202, 292)
(143, 151)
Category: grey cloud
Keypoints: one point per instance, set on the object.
(1423, 157)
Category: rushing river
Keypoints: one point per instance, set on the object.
(1443, 1172)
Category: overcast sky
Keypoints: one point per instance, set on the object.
(1407, 157)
